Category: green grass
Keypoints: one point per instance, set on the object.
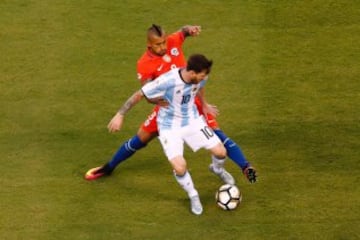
(285, 79)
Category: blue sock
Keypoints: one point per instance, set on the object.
(125, 151)
(233, 150)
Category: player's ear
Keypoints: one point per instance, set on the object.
(148, 43)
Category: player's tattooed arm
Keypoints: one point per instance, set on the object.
(117, 121)
(132, 101)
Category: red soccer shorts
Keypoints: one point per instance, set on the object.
(150, 124)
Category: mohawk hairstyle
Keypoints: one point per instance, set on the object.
(156, 29)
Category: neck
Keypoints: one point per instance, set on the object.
(153, 53)
(185, 76)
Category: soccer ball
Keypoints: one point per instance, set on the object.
(228, 197)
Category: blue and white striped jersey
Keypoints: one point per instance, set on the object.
(180, 95)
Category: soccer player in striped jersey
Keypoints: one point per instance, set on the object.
(179, 121)
(163, 53)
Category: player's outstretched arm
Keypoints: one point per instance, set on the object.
(190, 30)
(116, 122)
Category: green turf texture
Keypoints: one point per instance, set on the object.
(285, 78)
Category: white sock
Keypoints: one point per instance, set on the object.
(218, 164)
(187, 184)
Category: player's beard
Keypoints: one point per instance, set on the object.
(161, 53)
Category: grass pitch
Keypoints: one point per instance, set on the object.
(286, 81)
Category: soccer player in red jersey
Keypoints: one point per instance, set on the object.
(163, 53)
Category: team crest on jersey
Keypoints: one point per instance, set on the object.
(194, 89)
(174, 52)
(166, 58)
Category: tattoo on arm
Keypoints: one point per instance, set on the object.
(132, 101)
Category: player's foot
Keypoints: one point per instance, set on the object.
(224, 175)
(250, 174)
(95, 173)
(196, 206)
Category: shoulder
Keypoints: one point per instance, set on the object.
(167, 79)
(145, 59)
(171, 74)
(146, 66)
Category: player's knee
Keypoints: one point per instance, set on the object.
(144, 136)
(180, 171)
(219, 151)
(179, 166)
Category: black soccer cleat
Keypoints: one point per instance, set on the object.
(250, 174)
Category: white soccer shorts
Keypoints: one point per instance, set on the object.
(196, 135)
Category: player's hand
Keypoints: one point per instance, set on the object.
(210, 109)
(116, 123)
(194, 30)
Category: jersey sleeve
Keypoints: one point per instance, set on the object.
(155, 89)
(176, 38)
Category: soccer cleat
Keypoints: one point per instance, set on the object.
(196, 206)
(250, 174)
(224, 175)
(95, 173)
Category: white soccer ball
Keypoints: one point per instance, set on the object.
(228, 197)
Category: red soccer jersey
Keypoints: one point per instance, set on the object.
(150, 66)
